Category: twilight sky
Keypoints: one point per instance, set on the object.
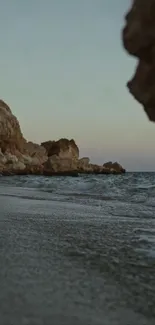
(63, 73)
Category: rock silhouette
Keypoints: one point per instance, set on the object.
(139, 40)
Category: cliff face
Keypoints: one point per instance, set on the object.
(62, 155)
(63, 148)
(17, 156)
(11, 138)
(139, 40)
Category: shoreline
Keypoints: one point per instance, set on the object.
(58, 174)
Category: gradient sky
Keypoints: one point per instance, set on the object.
(63, 73)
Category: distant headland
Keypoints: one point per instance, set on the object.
(51, 158)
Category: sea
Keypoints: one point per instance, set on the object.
(77, 251)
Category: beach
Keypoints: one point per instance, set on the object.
(77, 250)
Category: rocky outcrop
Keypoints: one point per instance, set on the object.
(107, 168)
(84, 164)
(63, 148)
(114, 168)
(62, 156)
(19, 157)
(16, 154)
(11, 138)
(56, 164)
(139, 41)
(37, 153)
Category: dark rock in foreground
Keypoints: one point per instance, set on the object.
(139, 41)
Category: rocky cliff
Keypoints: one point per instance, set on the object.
(139, 41)
(63, 148)
(11, 138)
(17, 156)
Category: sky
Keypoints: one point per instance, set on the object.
(64, 73)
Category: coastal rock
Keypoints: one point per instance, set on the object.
(63, 148)
(95, 169)
(27, 160)
(57, 164)
(32, 170)
(3, 159)
(37, 152)
(13, 168)
(113, 167)
(17, 166)
(11, 159)
(71, 173)
(84, 164)
(32, 161)
(15, 152)
(62, 156)
(11, 138)
(19, 157)
(139, 41)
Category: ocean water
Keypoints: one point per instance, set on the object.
(77, 250)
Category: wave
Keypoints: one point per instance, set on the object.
(81, 184)
(145, 186)
(131, 188)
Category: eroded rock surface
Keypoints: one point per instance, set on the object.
(139, 41)
(19, 157)
(115, 167)
(16, 154)
(63, 148)
(11, 138)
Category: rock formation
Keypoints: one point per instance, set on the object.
(115, 167)
(62, 156)
(11, 138)
(37, 153)
(139, 41)
(17, 156)
(57, 164)
(63, 148)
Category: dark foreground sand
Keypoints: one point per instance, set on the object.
(64, 263)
